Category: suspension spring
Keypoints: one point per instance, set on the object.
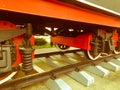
(27, 59)
(95, 44)
(118, 44)
(100, 45)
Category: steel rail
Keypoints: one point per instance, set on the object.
(19, 83)
(47, 54)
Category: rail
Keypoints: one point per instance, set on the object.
(18, 83)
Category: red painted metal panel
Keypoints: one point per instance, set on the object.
(81, 41)
(115, 38)
(5, 25)
(56, 9)
(17, 42)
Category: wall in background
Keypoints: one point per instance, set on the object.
(110, 4)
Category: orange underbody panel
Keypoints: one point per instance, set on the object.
(6, 25)
(81, 41)
(57, 9)
(115, 38)
(17, 42)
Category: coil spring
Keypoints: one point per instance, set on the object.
(100, 45)
(27, 60)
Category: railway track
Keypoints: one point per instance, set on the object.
(71, 63)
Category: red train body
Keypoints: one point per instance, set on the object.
(84, 26)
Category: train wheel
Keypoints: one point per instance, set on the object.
(6, 76)
(89, 54)
(95, 51)
(116, 51)
(62, 47)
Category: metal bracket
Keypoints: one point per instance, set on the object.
(5, 61)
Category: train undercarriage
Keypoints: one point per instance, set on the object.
(14, 47)
(93, 44)
(17, 31)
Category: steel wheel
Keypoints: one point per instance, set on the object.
(6, 76)
(116, 51)
(89, 55)
(95, 51)
(62, 47)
